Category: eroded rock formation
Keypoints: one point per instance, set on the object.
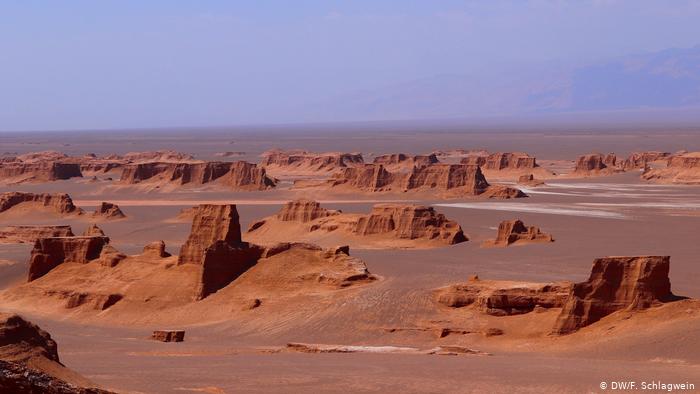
(239, 175)
(501, 161)
(529, 180)
(682, 168)
(59, 203)
(596, 164)
(616, 283)
(515, 232)
(48, 253)
(38, 167)
(108, 211)
(640, 160)
(398, 161)
(25, 234)
(298, 162)
(305, 220)
(93, 230)
(155, 249)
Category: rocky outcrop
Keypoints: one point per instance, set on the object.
(501, 161)
(682, 168)
(18, 172)
(401, 160)
(108, 211)
(26, 234)
(596, 164)
(616, 283)
(237, 175)
(59, 203)
(529, 180)
(21, 340)
(409, 222)
(515, 232)
(155, 249)
(48, 253)
(368, 177)
(504, 298)
(304, 211)
(157, 156)
(640, 160)
(389, 225)
(168, 335)
(93, 230)
(308, 162)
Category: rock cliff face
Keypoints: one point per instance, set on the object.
(25, 234)
(238, 175)
(93, 230)
(19, 172)
(452, 179)
(21, 340)
(305, 220)
(108, 211)
(48, 253)
(410, 222)
(616, 283)
(59, 203)
(155, 249)
(403, 161)
(303, 211)
(596, 164)
(682, 168)
(297, 162)
(640, 160)
(504, 298)
(501, 161)
(515, 232)
(529, 180)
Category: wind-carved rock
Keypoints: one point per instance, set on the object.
(616, 283)
(155, 249)
(48, 253)
(37, 170)
(304, 211)
(93, 230)
(402, 160)
(681, 168)
(24, 234)
(302, 162)
(239, 175)
(640, 160)
(215, 244)
(60, 203)
(501, 161)
(515, 232)
(108, 211)
(596, 164)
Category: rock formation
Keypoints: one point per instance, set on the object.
(504, 298)
(48, 253)
(640, 160)
(25, 234)
(25, 169)
(529, 180)
(93, 230)
(155, 249)
(596, 164)
(683, 168)
(237, 175)
(302, 162)
(397, 161)
(108, 211)
(616, 283)
(501, 161)
(387, 226)
(59, 203)
(515, 232)
(168, 335)
(450, 179)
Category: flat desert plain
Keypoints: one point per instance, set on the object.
(471, 267)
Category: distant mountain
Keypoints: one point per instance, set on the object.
(668, 79)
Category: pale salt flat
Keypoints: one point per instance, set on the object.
(552, 209)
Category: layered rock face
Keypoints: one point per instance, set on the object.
(595, 163)
(19, 171)
(640, 160)
(155, 249)
(305, 220)
(616, 283)
(401, 160)
(237, 175)
(302, 161)
(215, 245)
(529, 180)
(108, 211)
(504, 298)
(24, 234)
(60, 203)
(410, 222)
(501, 161)
(515, 232)
(21, 340)
(48, 253)
(447, 177)
(368, 177)
(681, 168)
(303, 211)
(93, 230)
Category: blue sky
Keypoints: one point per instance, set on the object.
(121, 64)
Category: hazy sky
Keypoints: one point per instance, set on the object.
(112, 64)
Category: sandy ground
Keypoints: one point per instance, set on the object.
(592, 217)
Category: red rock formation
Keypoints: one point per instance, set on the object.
(211, 223)
(447, 177)
(108, 211)
(514, 231)
(529, 180)
(504, 298)
(155, 249)
(93, 230)
(398, 160)
(501, 161)
(616, 283)
(681, 168)
(48, 253)
(38, 172)
(21, 340)
(640, 160)
(302, 161)
(368, 177)
(169, 335)
(60, 203)
(410, 222)
(304, 211)
(222, 263)
(23, 234)
(238, 175)
(157, 156)
(595, 163)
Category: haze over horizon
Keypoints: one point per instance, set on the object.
(131, 65)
